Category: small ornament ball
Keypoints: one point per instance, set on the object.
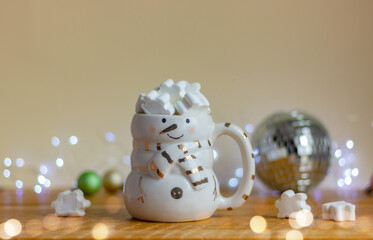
(113, 180)
(89, 182)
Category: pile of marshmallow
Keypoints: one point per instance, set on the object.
(173, 98)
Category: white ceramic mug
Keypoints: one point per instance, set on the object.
(172, 178)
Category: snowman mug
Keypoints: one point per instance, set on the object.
(171, 178)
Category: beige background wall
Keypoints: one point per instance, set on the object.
(77, 68)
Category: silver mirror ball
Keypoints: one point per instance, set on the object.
(292, 151)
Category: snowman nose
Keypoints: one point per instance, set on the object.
(170, 128)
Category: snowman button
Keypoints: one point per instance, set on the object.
(177, 192)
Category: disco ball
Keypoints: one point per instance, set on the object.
(292, 151)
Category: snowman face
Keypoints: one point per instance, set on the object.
(171, 128)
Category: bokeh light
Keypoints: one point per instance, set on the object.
(43, 169)
(59, 162)
(299, 219)
(249, 128)
(258, 224)
(100, 231)
(73, 140)
(110, 136)
(19, 184)
(355, 172)
(338, 153)
(7, 162)
(348, 172)
(341, 162)
(6, 173)
(47, 183)
(41, 179)
(37, 189)
(12, 227)
(113, 204)
(294, 235)
(341, 182)
(239, 172)
(34, 227)
(348, 180)
(233, 182)
(126, 159)
(20, 162)
(55, 141)
(350, 144)
(52, 222)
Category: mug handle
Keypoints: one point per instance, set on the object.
(248, 164)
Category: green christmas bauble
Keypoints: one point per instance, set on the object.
(113, 180)
(89, 182)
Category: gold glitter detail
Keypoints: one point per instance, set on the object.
(141, 193)
(252, 177)
(227, 125)
(229, 209)
(159, 173)
(194, 170)
(146, 146)
(158, 146)
(153, 167)
(198, 144)
(245, 196)
(183, 148)
(252, 154)
(244, 135)
(137, 146)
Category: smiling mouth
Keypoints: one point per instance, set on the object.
(175, 137)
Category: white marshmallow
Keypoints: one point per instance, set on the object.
(338, 211)
(71, 203)
(290, 202)
(170, 96)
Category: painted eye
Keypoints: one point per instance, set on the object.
(163, 120)
(177, 192)
(187, 120)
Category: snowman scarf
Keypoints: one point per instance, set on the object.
(184, 154)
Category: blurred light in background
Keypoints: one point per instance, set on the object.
(7, 162)
(338, 153)
(37, 189)
(355, 172)
(239, 172)
(258, 224)
(55, 141)
(19, 184)
(73, 140)
(20, 162)
(59, 162)
(110, 136)
(126, 159)
(342, 162)
(249, 128)
(350, 144)
(6, 173)
(41, 179)
(47, 183)
(294, 235)
(233, 182)
(340, 182)
(43, 169)
(100, 231)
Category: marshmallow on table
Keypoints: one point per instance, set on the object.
(338, 211)
(70, 203)
(290, 202)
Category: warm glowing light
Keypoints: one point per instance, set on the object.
(20, 162)
(216, 154)
(239, 172)
(113, 204)
(355, 172)
(299, 219)
(73, 140)
(110, 136)
(233, 182)
(126, 159)
(348, 180)
(338, 153)
(258, 224)
(342, 162)
(100, 231)
(55, 141)
(341, 182)
(72, 224)
(350, 144)
(6, 173)
(59, 162)
(52, 222)
(41, 179)
(7, 162)
(34, 227)
(19, 184)
(43, 169)
(12, 227)
(294, 235)
(249, 128)
(37, 189)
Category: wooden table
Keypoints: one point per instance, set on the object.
(107, 218)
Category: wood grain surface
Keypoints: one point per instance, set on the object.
(108, 218)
